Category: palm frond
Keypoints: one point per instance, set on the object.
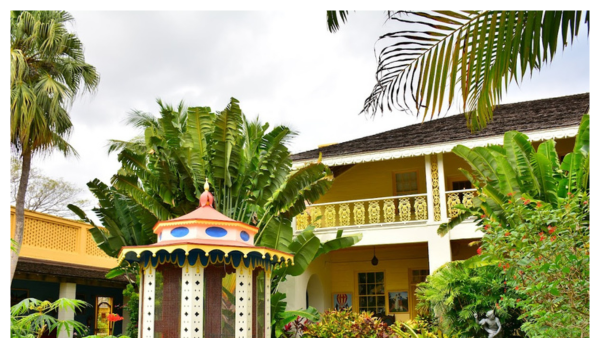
(471, 55)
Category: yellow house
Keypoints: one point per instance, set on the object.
(59, 259)
(396, 188)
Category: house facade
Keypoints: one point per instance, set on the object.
(59, 259)
(396, 188)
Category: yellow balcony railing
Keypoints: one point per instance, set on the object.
(59, 239)
(455, 197)
(391, 209)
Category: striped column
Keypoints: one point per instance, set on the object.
(192, 300)
(268, 303)
(243, 302)
(147, 327)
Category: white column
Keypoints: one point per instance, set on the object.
(439, 249)
(243, 304)
(429, 180)
(147, 327)
(442, 187)
(268, 303)
(66, 290)
(192, 300)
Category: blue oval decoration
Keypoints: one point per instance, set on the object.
(216, 232)
(180, 232)
(244, 235)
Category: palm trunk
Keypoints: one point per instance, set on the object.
(20, 212)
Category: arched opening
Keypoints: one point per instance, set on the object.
(314, 293)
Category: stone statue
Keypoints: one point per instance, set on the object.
(491, 324)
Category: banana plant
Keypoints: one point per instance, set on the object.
(517, 169)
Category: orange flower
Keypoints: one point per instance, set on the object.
(526, 202)
(114, 317)
(507, 234)
(539, 204)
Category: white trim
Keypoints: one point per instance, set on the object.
(445, 147)
(243, 302)
(267, 303)
(149, 285)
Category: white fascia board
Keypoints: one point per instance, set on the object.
(446, 147)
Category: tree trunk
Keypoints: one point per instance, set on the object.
(20, 212)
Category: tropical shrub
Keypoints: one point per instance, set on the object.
(132, 307)
(32, 318)
(534, 212)
(419, 327)
(348, 324)
(546, 258)
(456, 291)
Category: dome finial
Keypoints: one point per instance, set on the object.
(206, 199)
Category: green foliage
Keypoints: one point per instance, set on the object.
(517, 169)
(32, 318)
(545, 257)
(281, 320)
(455, 292)
(348, 324)
(132, 307)
(470, 56)
(418, 328)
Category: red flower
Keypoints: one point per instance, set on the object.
(509, 201)
(509, 194)
(541, 236)
(526, 202)
(497, 305)
(551, 229)
(487, 226)
(585, 202)
(539, 204)
(507, 234)
(483, 216)
(518, 300)
(114, 317)
(553, 238)
(516, 288)
(479, 250)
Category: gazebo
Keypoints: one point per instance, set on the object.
(204, 278)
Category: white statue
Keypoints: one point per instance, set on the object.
(491, 324)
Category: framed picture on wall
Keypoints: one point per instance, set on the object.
(342, 301)
(398, 302)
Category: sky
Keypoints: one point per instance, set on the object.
(283, 66)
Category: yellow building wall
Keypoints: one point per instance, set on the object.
(61, 240)
(374, 179)
(396, 261)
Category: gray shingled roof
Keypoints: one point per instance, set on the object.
(525, 116)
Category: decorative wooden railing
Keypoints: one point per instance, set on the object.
(454, 197)
(366, 211)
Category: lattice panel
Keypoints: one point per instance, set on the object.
(420, 208)
(50, 235)
(91, 248)
(344, 214)
(192, 300)
(389, 211)
(359, 213)
(435, 190)
(302, 221)
(147, 327)
(330, 216)
(404, 210)
(374, 212)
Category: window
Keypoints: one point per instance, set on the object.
(406, 183)
(371, 292)
(419, 276)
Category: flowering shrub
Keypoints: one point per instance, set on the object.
(545, 258)
(348, 324)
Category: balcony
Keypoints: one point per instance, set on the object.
(455, 197)
(392, 209)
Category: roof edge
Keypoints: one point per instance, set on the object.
(445, 147)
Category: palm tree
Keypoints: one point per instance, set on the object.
(471, 56)
(47, 70)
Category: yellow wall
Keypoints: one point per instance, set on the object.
(374, 179)
(394, 260)
(61, 240)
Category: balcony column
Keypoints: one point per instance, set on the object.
(428, 182)
(442, 187)
(67, 290)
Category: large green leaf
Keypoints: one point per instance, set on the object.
(305, 247)
(544, 173)
(582, 141)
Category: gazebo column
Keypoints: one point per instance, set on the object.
(243, 302)
(192, 300)
(268, 303)
(147, 327)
